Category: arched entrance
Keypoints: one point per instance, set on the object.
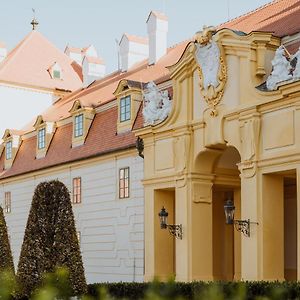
(221, 165)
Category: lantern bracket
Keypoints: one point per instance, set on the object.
(243, 226)
(175, 230)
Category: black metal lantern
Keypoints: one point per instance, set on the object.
(175, 230)
(229, 209)
(240, 225)
(163, 216)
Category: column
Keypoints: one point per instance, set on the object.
(273, 227)
(250, 245)
(194, 254)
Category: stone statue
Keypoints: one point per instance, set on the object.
(281, 69)
(157, 104)
(296, 73)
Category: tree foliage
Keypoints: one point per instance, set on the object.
(6, 259)
(50, 240)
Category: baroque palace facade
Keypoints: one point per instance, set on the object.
(215, 121)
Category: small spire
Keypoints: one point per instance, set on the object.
(34, 21)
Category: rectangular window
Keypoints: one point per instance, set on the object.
(124, 183)
(77, 190)
(7, 202)
(78, 126)
(8, 150)
(56, 74)
(42, 138)
(125, 107)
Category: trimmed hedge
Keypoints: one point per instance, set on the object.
(50, 240)
(6, 259)
(199, 290)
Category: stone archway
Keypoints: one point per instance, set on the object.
(218, 178)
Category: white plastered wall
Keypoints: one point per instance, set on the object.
(111, 229)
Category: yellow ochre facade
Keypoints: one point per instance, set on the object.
(238, 140)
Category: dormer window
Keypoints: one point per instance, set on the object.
(129, 98)
(55, 71)
(82, 117)
(8, 150)
(42, 138)
(125, 108)
(12, 140)
(78, 126)
(56, 74)
(44, 134)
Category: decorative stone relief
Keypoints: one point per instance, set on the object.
(250, 138)
(212, 69)
(250, 132)
(202, 193)
(281, 69)
(157, 105)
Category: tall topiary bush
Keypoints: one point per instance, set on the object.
(6, 260)
(50, 240)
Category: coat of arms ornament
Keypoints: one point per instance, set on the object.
(212, 69)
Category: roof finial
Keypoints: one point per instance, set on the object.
(34, 21)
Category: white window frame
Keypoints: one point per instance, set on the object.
(125, 108)
(42, 138)
(77, 190)
(8, 150)
(7, 202)
(78, 125)
(124, 183)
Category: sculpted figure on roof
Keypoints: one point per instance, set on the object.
(296, 73)
(212, 70)
(281, 69)
(157, 104)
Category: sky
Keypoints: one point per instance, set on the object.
(99, 22)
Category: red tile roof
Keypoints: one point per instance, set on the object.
(280, 17)
(102, 138)
(29, 61)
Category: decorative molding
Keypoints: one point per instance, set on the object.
(212, 68)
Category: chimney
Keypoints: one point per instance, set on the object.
(93, 68)
(133, 49)
(74, 53)
(157, 24)
(3, 52)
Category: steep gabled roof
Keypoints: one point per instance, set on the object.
(29, 61)
(280, 17)
(102, 91)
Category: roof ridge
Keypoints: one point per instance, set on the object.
(250, 12)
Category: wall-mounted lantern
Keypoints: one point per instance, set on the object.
(240, 225)
(175, 230)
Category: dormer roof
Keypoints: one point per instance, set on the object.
(12, 132)
(28, 63)
(158, 15)
(126, 84)
(135, 39)
(94, 60)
